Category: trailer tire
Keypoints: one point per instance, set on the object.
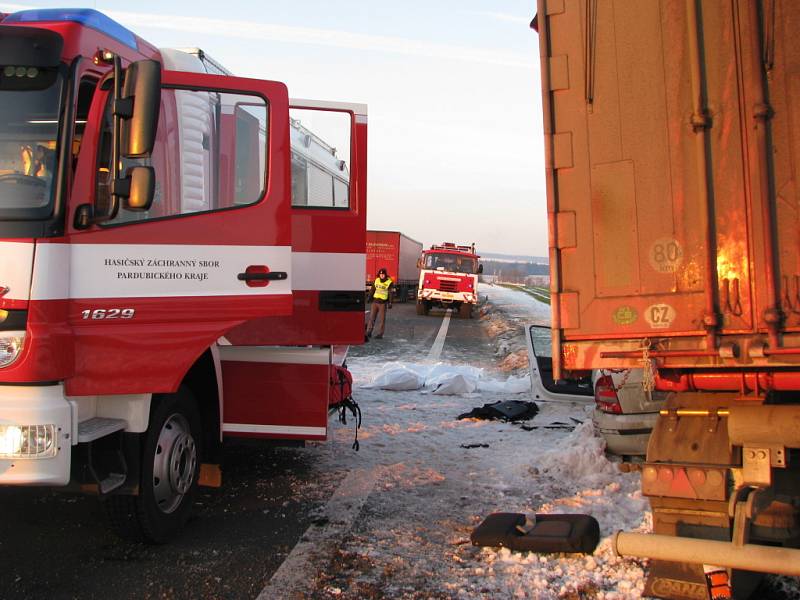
(170, 466)
(465, 310)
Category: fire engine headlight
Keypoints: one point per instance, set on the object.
(27, 441)
(11, 343)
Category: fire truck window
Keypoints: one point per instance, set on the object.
(450, 262)
(210, 154)
(320, 158)
(85, 94)
(30, 99)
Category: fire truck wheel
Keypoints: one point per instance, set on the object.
(465, 310)
(169, 472)
(422, 307)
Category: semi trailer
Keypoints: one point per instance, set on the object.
(398, 254)
(671, 138)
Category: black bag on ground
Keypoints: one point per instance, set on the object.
(551, 533)
(510, 410)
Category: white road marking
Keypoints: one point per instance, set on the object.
(295, 577)
(438, 343)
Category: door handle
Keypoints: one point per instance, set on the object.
(271, 276)
(260, 276)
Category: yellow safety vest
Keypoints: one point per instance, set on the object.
(381, 288)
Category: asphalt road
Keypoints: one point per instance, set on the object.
(57, 545)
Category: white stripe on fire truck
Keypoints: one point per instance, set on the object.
(275, 355)
(273, 429)
(162, 270)
(15, 269)
(330, 271)
(152, 270)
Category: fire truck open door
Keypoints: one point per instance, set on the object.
(329, 211)
(211, 253)
(272, 390)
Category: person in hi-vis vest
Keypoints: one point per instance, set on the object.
(381, 295)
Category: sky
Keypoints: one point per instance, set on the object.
(456, 150)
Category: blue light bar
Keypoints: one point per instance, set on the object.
(85, 16)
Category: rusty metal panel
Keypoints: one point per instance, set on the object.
(565, 233)
(568, 308)
(559, 73)
(555, 7)
(562, 150)
(614, 225)
(650, 252)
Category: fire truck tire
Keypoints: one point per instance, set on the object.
(465, 310)
(169, 473)
(422, 307)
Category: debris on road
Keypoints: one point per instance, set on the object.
(509, 411)
(549, 533)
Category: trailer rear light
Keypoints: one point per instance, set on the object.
(27, 441)
(11, 343)
(605, 396)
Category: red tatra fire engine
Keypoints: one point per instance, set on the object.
(448, 278)
(174, 246)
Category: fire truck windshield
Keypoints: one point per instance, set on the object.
(29, 123)
(450, 262)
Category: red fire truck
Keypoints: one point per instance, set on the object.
(448, 278)
(174, 247)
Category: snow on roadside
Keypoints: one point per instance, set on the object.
(440, 477)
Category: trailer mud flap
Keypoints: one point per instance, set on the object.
(275, 392)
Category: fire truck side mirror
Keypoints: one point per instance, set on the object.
(419, 263)
(480, 268)
(143, 89)
(142, 189)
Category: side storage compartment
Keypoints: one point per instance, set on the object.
(275, 392)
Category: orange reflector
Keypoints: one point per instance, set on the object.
(210, 475)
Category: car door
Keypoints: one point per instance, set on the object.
(543, 387)
(150, 291)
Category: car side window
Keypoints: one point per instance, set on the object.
(209, 154)
(321, 148)
(542, 341)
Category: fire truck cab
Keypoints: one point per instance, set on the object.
(448, 278)
(181, 261)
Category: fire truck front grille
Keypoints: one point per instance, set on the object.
(448, 286)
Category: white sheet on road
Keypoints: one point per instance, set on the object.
(442, 378)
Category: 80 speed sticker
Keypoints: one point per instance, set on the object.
(665, 255)
(659, 316)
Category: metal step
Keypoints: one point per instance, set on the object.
(112, 482)
(93, 429)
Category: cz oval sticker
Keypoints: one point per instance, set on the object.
(659, 316)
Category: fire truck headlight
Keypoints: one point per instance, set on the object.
(27, 441)
(11, 343)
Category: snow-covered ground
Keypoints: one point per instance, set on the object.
(428, 479)
(438, 477)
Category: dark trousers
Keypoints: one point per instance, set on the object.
(378, 311)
